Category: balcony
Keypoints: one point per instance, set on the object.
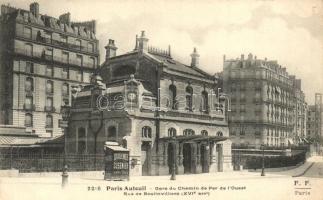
(41, 55)
(29, 107)
(57, 43)
(49, 109)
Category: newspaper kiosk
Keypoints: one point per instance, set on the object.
(116, 162)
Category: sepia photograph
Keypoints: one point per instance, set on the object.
(161, 99)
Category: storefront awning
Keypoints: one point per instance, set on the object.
(290, 141)
(194, 138)
(21, 141)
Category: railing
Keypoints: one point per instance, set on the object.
(49, 109)
(38, 162)
(29, 107)
(51, 58)
(57, 43)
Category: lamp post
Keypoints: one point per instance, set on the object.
(173, 176)
(65, 112)
(263, 160)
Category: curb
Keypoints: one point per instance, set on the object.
(301, 174)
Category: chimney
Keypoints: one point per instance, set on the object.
(250, 56)
(242, 56)
(143, 42)
(224, 58)
(65, 18)
(34, 9)
(111, 50)
(195, 58)
(136, 46)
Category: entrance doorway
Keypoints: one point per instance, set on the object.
(188, 158)
(205, 158)
(145, 158)
(170, 158)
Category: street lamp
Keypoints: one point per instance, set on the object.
(173, 176)
(65, 112)
(263, 160)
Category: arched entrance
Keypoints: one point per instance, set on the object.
(145, 158)
(187, 158)
(170, 158)
(205, 158)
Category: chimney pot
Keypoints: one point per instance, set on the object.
(143, 42)
(195, 58)
(111, 50)
(34, 9)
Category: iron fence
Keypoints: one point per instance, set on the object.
(38, 162)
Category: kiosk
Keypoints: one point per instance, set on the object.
(116, 160)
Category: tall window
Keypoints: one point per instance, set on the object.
(172, 96)
(28, 120)
(49, 87)
(189, 98)
(63, 39)
(65, 89)
(49, 103)
(78, 44)
(28, 49)
(49, 70)
(29, 102)
(188, 132)
(90, 47)
(204, 133)
(146, 132)
(92, 62)
(48, 53)
(205, 102)
(49, 121)
(65, 73)
(81, 139)
(79, 60)
(27, 32)
(48, 36)
(112, 133)
(65, 57)
(29, 84)
(29, 67)
(79, 76)
(171, 132)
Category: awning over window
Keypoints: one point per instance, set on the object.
(23, 141)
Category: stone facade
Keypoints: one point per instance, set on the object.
(315, 118)
(267, 104)
(42, 59)
(151, 104)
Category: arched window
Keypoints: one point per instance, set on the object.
(29, 84)
(188, 132)
(146, 132)
(81, 140)
(28, 120)
(204, 133)
(49, 87)
(219, 134)
(112, 133)
(205, 102)
(189, 98)
(172, 96)
(49, 121)
(171, 132)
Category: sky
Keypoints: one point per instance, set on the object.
(289, 31)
